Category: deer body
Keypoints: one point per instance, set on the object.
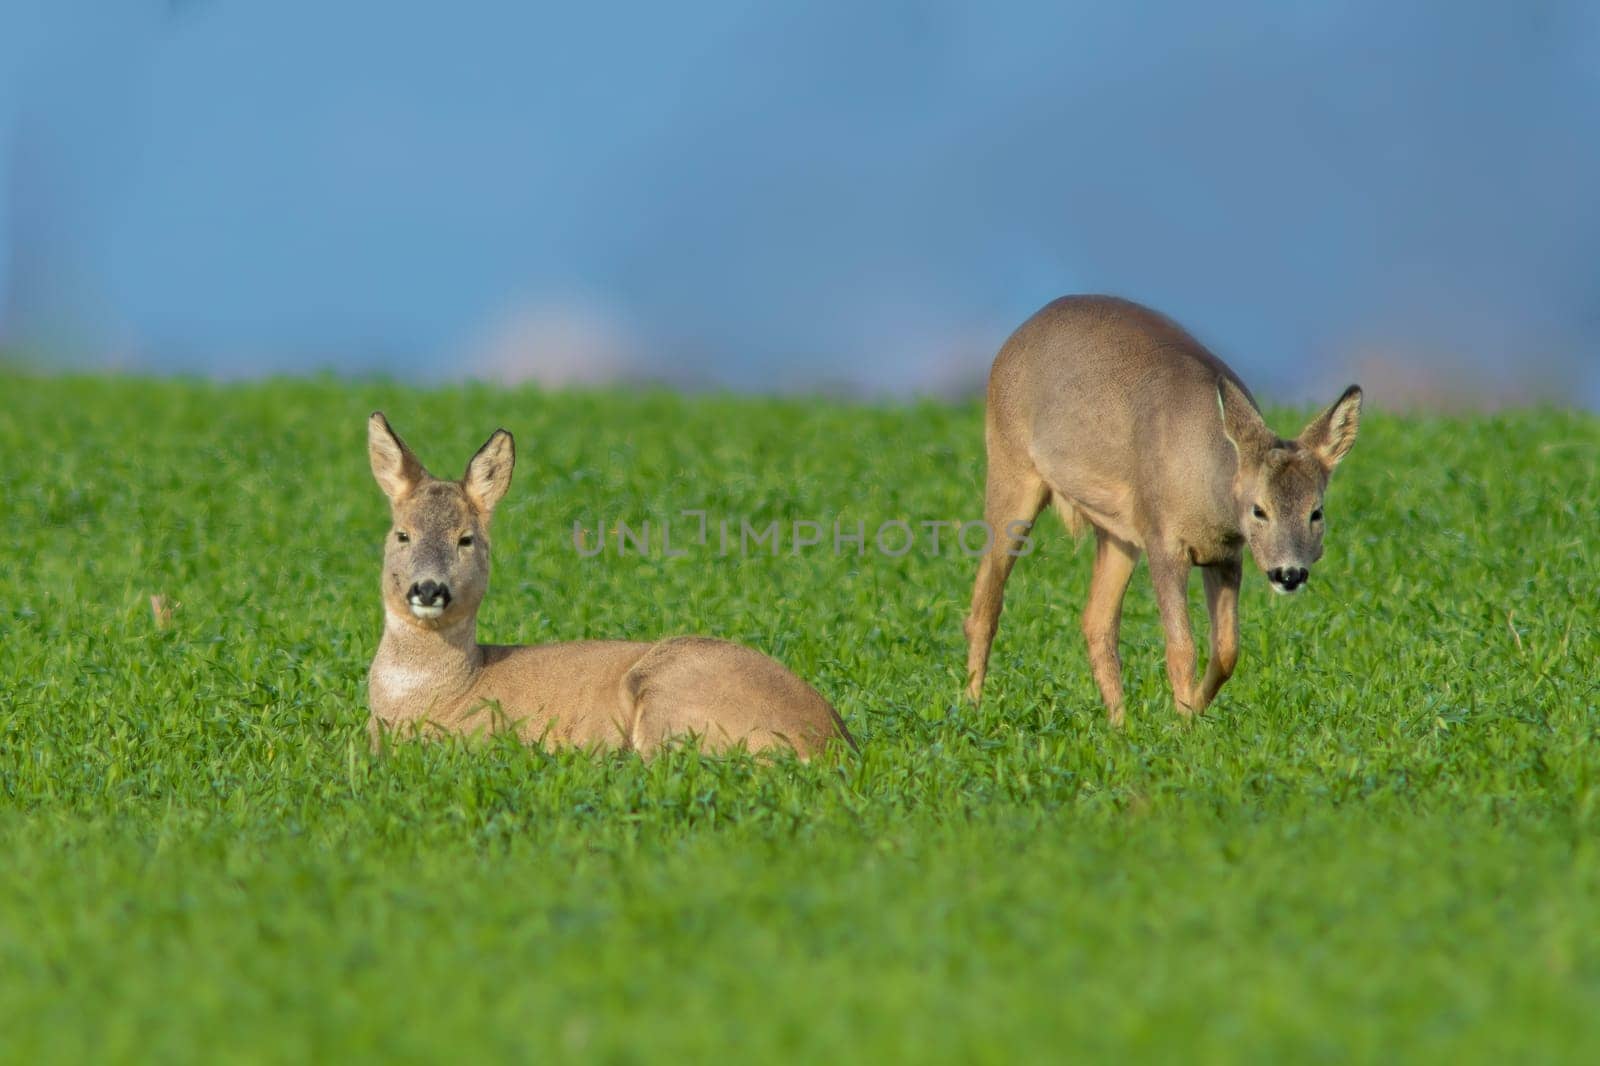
(1130, 426)
(430, 674)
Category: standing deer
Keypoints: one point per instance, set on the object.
(431, 674)
(1128, 424)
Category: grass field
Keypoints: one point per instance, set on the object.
(1382, 844)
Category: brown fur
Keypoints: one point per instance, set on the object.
(431, 675)
(1129, 425)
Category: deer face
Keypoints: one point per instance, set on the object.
(1280, 503)
(1279, 485)
(436, 556)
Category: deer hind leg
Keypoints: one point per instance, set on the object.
(1015, 493)
(1222, 604)
(1169, 572)
(1114, 560)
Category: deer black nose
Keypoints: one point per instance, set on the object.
(429, 594)
(1290, 577)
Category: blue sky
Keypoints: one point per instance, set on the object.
(800, 196)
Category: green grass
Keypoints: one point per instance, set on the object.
(1383, 843)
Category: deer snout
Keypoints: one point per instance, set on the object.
(428, 599)
(1287, 578)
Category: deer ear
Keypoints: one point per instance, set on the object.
(397, 470)
(1331, 434)
(1241, 422)
(489, 474)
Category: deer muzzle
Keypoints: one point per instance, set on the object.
(1287, 578)
(428, 599)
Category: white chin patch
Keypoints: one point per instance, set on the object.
(1279, 589)
(427, 611)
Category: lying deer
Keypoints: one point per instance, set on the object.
(1129, 425)
(431, 674)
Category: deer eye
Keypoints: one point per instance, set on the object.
(1259, 514)
(1316, 516)
(466, 541)
(402, 536)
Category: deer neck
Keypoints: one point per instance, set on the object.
(421, 672)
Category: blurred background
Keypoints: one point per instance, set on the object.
(828, 196)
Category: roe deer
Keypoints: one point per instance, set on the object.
(431, 674)
(1128, 424)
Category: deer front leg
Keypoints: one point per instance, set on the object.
(1114, 560)
(1222, 604)
(1169, 572)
